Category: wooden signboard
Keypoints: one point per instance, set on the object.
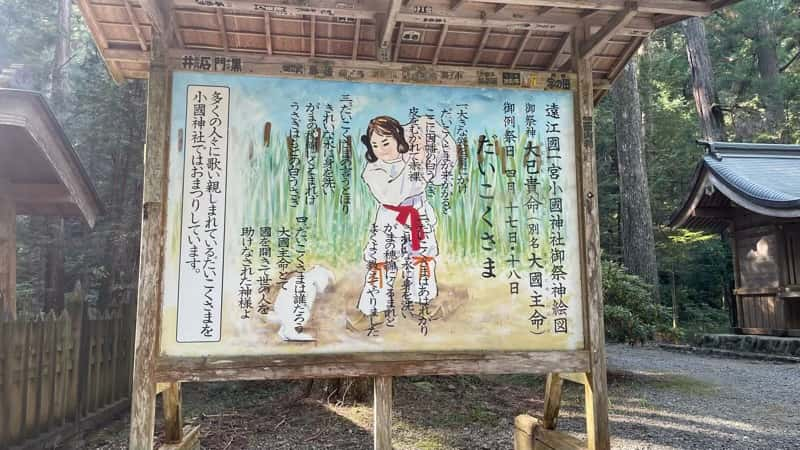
(316, 218)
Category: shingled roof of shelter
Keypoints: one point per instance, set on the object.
(37, 159)
(512, 34)
(761, 178)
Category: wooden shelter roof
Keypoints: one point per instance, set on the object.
(521, 34)
(760, 178)
(36, 159)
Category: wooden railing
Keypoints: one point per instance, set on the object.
(59, 371)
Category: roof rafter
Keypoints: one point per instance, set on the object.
(389, 23)
(673, 7)
(222, 31)
(356, 39)
(609, 30)
(478, 51)
(100, 39)
(626, 55)
(470, 14)
(173, 18)
(158, 17)
(455, 4)
(562, 45)
(519, 20)
(442, 36)
(313, 36)
(520, 49)
(268, 33)
(136, 26)
(398, 41)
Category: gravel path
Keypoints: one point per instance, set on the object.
(659, 400)
(735, 404)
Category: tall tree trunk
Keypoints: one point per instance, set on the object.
(54, 249)
(769, 72)
(638, 242)
(58, 73)
(712, 124)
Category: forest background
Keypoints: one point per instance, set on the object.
(739, 68)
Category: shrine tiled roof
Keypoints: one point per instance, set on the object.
(761, 178)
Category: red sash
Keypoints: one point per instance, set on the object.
(403, 215)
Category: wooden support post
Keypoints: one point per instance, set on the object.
(173, 416)
(524, 425)
(143, 395)
(191, 440)
(382, 426)
(8, 252)
(552, 401)
(595, 387)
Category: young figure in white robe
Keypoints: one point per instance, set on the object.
(402, 238)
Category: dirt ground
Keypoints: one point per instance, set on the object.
(659, 400)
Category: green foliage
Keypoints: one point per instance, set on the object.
(455, 231)
(105, 124)
(631, 315)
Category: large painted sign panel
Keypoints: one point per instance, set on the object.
(317, 216)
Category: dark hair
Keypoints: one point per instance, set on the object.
(384, 126)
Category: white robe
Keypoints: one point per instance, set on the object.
(389, 242)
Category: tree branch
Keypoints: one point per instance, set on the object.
(791, 61)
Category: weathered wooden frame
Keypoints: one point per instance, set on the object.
(154, 373)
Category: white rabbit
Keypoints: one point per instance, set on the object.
(317, 280)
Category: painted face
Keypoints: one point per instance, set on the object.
(384, 147)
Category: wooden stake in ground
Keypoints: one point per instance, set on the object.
(382, 426)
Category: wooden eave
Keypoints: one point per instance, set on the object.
(514, 34)
(704, 207)
(711, 203)
(36, 159)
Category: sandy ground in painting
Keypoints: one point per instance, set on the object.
(482, 316)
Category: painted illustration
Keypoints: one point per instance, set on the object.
(313, 216)
(399, 168)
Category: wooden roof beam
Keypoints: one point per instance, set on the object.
(455, 4)
(223, 32)
(478, 51)
(136, 27)
(553, 20)
(469, 15)
(624, 57)
(268, 33)
(99, 39)
(157, 15)
(313, 36)
(356, 39)
(562, 45)
(685, 8)
(609, 30)
(442, 35)
(398, 41)
(41, 194)
(545, 10)
(321, 8)
(176, 29)
(520, 49)
(389, 22)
